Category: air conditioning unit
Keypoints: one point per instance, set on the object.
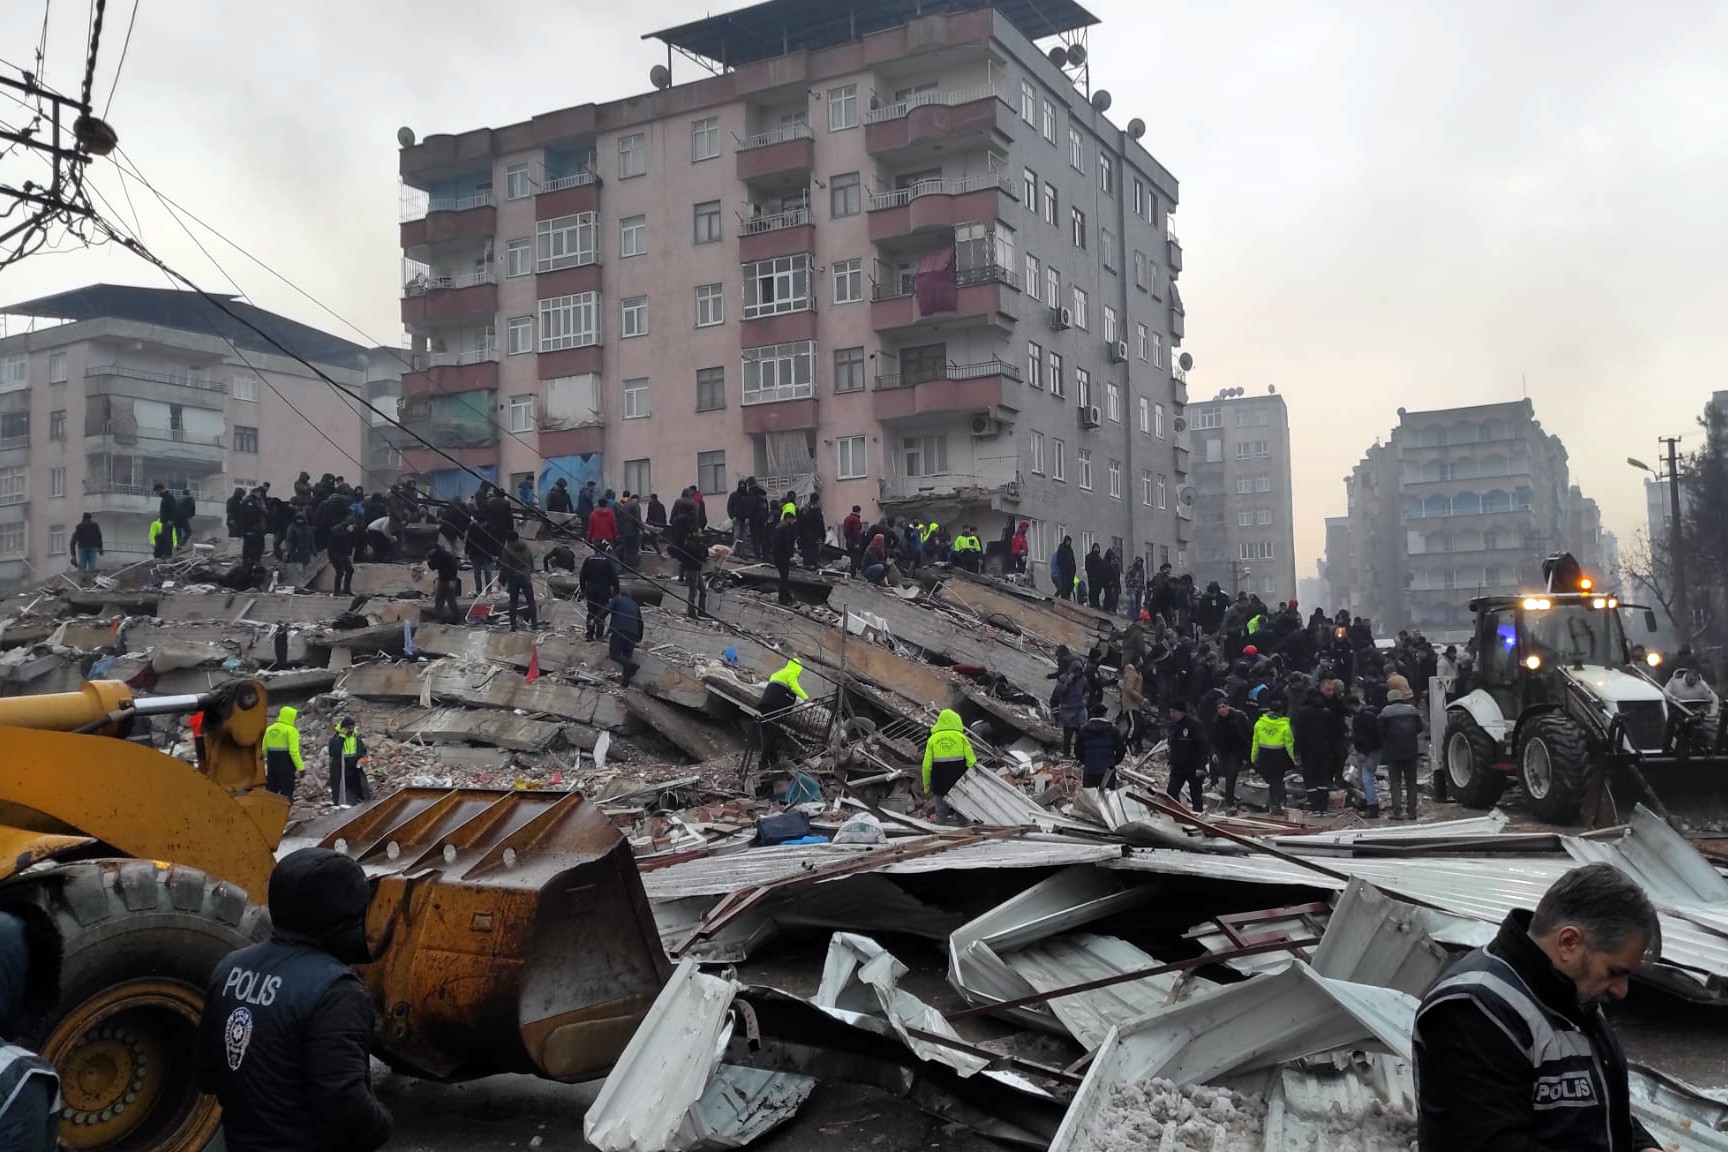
(1119, 353)
(1180, 423)
(1061, 319)
(1090, 416)
(984, 425)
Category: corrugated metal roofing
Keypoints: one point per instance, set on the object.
(1081, 957)
(985, 798)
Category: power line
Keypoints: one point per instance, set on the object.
(124, 45)
(95, 43)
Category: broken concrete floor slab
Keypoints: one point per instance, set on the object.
(464, 726)
(488, 687)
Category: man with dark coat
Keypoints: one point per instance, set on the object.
(1069, 699)
(348, 783)
(1063, 570)
(285, 1037)
(1320, 726)
(737, 509)
(559, 556)
(447, 577)
(1399, 725)
(516, 569)
(1100, 747)
(1187, 756)
(585, 500)
(558, 499)
(1094, 576)
(340, 548)
(29, 986)
(686, 549)
(812, 531)
(785, 542)
(232, 508)
(626, 619)
(1209, 611)
(1232, 743)
(599, 581)
(453, 521)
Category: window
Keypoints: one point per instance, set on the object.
(711, 472)
(1084, 457)
(1076, 150)
(1078, 219)
(773, 287)
(1049, 122)
(1082, 387)
(569, 321)
(1080, 309)
(638, 476)
(1146, 487)
(925, 455)
(853, 462)
(246, 386)
(1050, 204)
(1053, 287)
(1163, 491)
(1056, 374)
(519, 257)
(1158, 420)
(1263, 517)
(14, 486)
(1262, 483)
(1058, 460)
(1034, 275)
(710, 305)
(1152, 281)
(566, 242)
(633, 317)
(57, 424)
(12, 539)
(710, 389)
(57, 368)
(1028, 102)
(1106, 174)
(1139, 197)
(1244, 485)
(1209, 418)
(632, 155)
(1107, 249)
(56, 482)
(1109, 326)
(1145, 415)
(245, 439)
(1157, 350)
(704, 143)
(636, 400)
(1029, 190)
(1140, 270)
(780, 372)
(1214, 450)
(56, 540)
(1034, 364)
(14, 373)
(844, 196)
(849, 370)
(1142, 341)
(1037, 453)
(517, 185)
(1113, 401)
(632, 236)
(1116, 479)
(843, 108)
(522, 413)
(848, 281)
(1245, 550)
(519, 334)
(1244, 517)
(706, 223)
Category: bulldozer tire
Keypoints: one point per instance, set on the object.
(1553, 766)
(1468, 761)
(139, 940)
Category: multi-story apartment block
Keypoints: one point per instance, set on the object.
(1244, 536)
(1335, 567)
(897, 256)
(115, 389)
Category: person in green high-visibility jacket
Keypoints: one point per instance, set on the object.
(348, 784)
(1274, 751)
(162, 539)
(282, 761)
(947, 753)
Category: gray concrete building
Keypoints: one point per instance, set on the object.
(1244, 530)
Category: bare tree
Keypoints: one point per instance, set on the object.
(1646, 565)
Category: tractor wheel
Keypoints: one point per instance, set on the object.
(1554, 766)
(1469, 762)
(139, 940)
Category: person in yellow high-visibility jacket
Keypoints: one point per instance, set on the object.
(162, 539)
(947, 753)
(282, 761)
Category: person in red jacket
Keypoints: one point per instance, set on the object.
(602, 522)
(1021, 547)
(852, 530)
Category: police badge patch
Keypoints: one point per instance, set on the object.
(236, 1035)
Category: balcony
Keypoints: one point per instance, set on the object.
(451, 372)
(1183, 463)
(781, 234)
(988, 386)
(779, 416)
(1173, 251)
(567, 196)
(929, 121)
(979, 293)
(1178, 384)
(166, 444)
(439, 301)
(143, 384)
(421, 461)
(447, 219)
(783, 155)
(937, 204)
(992, 486)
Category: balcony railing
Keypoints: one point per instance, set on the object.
(780, 135)
(937, 186)
(950, 484)
(574, 180)
(792, 218)
(1184, 511)
(952, 372)
(1179, 373)
(200, 382)
(158, 436)
(416, 207)
(421, 285)
(776, 486)
(15, 441)
(934, 96)
(986, 274)
(454, 359)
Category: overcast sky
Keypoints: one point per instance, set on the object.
(1383, 205)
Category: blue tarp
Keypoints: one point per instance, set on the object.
(578, 470)
(458, 483)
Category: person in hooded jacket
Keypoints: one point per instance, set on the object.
(599, 581)
(1400, 726)
(29, 984)
(1069, 700)
(1063, 570)
(1094, 576)
(447, 583)
(602, 523)
(626, 619)
(1210, 610)
(1100, 747)
(348, 783)
(812, 531)
(947, 753)
(558, 499)
(785, 542)
(516, 568)
(1274, 751)
(285, 1038)
(340, 549)
(782, 692)
(1020, 547)
(282, 763)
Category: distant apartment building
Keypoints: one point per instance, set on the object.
(114, 389)
(1335, 566)
(899, 257)
(1458, 503)
(1244, 534)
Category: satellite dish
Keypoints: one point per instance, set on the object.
(1059, 56)
(1076, 53)
(1187, 362)
(1271, 389)
(1136, 128)
(405, 136)
(660, 76)
(1101, 100)
(1400, 413)
(1186, 494)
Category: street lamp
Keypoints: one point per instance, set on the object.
(1676, 544)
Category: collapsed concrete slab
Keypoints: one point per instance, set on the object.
(462, 726)
(262, 607)
(488, 688)
(1027, 672)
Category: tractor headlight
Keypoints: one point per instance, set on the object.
(1654, 659)
(1533, 662)
(1599, 603)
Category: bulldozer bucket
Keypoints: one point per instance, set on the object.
(1689, 792)
(511, 931)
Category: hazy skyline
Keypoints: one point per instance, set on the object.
(1381, 208)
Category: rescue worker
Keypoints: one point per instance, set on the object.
(1232, 743)
(626, 620)
(1187, 756)
(1274, 751)
(447, 586)
(29, 1086)
(285, 1039)
(341, 554)
(1512, 1047)
(852, 531)
(1398, 727)
(348, 783)
(947, 753)
(282, 763)
(599, 581)
(516, 566)
(785, 540)
(161, 539)
(782, 692)
(1100, 747)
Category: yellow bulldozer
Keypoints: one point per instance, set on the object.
(511, 928)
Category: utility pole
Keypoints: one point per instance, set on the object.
(1676, 542)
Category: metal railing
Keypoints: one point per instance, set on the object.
(780, 135)
(880, 290)
(901, 108)
(454, 359)
(952, 372)
(155, 436)
(184, 381)
(937, 186)
(574, 180)
(1172, 237)
(458, 203)
(15, 441)
(1179, 373)
(791, 218)
(777, 486)
(987, 274)
(421, 285)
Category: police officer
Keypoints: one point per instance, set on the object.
(1512, 1047)
(348, 783)
(285, 1039)
(282, 763)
